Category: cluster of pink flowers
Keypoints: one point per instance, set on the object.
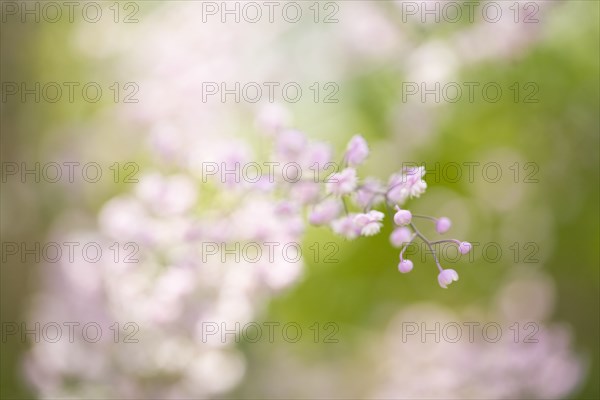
(344, 193)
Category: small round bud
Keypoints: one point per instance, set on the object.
(405, 266)
(402, 217)
(443, 225)
(464, 247)
(400, 236)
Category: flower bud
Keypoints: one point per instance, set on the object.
(464, 247)
(443, 225)
(446, 277)
(400, 236)
(405, 266)
(402, 217)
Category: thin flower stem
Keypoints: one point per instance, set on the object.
(325, 198)
(428, 243)
(367, 189)
(343, 163)
(434, 256)
(414, 228)
(406, 246)
(425, 217)
(395, 186)
(389, 211)
(345, 206)
(447, 241)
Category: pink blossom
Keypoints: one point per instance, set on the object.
(343, 182)
(324, 212)
(272, 118)
(369, 194)
(402, 217)
(305, 192)
(317, 155)
(406, 185)
(369, 223)
(405, 266)
(464, 247)
(290, 144)
(400, 236)
(356, 151)
(446, 277)
(346, 227)
(443, 225)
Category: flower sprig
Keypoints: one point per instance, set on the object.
(343, 186)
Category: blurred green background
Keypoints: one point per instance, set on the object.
(559, 133)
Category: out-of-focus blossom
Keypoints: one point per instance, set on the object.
(534, 359)
(325, 212)
(370, 193)
(400, 236)
(172, 195)
(429, 351)
(317, 156)
(357, 151)
(305, 192)
(370, 223)
(343, 182)
(346, 227)
(443, 225)
(272, 118)
(291, 144)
